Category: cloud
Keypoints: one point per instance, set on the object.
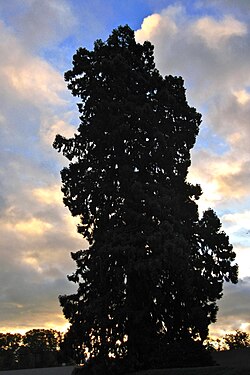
(234, 309)
(242, 250)
(224, 178)
(30, 78)
(32, 227)
(36, 231)
(240, 220)
(186, 51)
(239, 8)
(40, 23)
(215, 33)
(32, 303)
(242, 96)
(152, 24)
(49, 195)
(35, 274)
(51, 126)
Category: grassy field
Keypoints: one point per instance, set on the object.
(236, 362)
(197, 371)
(64, 370)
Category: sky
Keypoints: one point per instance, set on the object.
(204, 41)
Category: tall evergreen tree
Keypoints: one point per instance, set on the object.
(153, 270)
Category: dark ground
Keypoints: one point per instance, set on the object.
(64, 370)
(239, 358)
(234, 362)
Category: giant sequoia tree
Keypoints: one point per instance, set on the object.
(154, 270)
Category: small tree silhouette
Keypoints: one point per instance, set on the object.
(237, 340)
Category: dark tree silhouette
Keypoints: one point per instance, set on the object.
(9, 342)
(40, 349)
(237, 340)
(36, 348)
(153, 271)
(42, 340)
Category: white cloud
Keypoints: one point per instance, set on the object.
(214, 32)
(158, 23)
(50, 195)
(36, 231)
(28, 77)
(242, 96)
(34, 81)
(51, 126)
(238, 220)
(32, 227)
(41, 23)
(243, 256)
(149, 27)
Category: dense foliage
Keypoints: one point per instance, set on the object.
(36, 348)
(237, 340)
(153, 272)
(231, 341)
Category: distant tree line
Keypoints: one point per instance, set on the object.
(231, 341)
(47, 348)
(36, 348)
